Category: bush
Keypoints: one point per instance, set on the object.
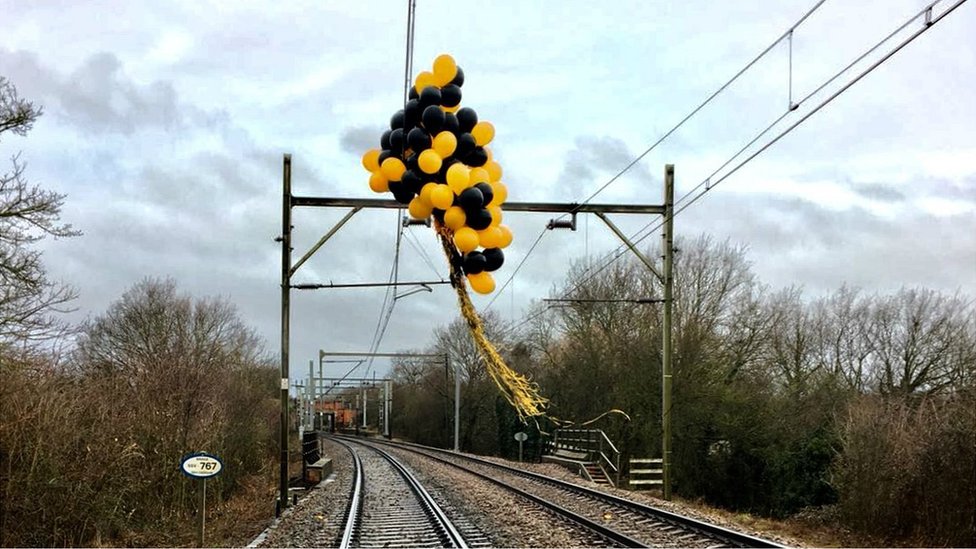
(908, 469)
(90, 454)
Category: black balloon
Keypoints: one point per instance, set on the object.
(458, 78)
(474, 262)
(476, 158)
(467, 118)
(418, 139)
(396, 141)
(451, 95)
(403, 197)
(439, 215)
(411, 181)
(479, 220)
(400, 192)
(471, 199)
(385, 140)
(396, 121)
(413, 93)
(451, 124)
(430, 96)
(486, 192)
(433, 119)
(465, 144)
(494, 258)
(412, 113)
(384, 154)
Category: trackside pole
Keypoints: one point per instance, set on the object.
(202, 524)
(668, 237)
(285, 317)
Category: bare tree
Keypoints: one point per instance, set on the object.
(791, 344)
(920, 340)
(28, 213)
(839, 323)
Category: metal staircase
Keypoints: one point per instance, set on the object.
(587, 451)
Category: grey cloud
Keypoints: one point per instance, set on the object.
(98, 97)
(593, 156)
(964, 189)
(359, 139)
(790, 241)
(796, 240)
(878, 191)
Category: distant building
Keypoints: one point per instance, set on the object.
(340, 415)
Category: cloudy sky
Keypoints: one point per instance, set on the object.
(165, 125)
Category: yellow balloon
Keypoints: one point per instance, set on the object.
(490, 237)
(466, 239)
(479, 175)
(424, 80)
(483, 132)
(425, 192)
(496, 215)
(494, 170)
(393, 168)
(458, 177)
(455, 218)
(445, 69)
(371, 160)
(378, 182)
(483, 283)
(501, 193)
(506, 236)
(419, 209)
(441, 197)
(455, 108)
(444, 143)
(429, 161)
(491, 156)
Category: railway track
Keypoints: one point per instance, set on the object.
(618, 521)
(389, 507)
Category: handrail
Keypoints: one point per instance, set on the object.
(593, 442)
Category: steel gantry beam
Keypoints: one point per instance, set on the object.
(288, 270)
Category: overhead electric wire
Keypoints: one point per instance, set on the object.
(703, 104)
(640, 235)
(389, 302)
(650, 228)
(510, 278)
(419, 248)
(837, 93)
(386, 310)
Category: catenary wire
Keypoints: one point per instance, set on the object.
(419, 248)
(510, 278)
(386, 311)
(703, 104)
(708, 184)
(648, 229)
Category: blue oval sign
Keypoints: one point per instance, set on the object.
(201, 465)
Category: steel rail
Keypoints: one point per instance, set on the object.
(434, 510)
(355, 499)
(738, 539)
(441, 523)
(612, 535)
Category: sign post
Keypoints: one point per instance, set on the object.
(520, 437)
(201, 465)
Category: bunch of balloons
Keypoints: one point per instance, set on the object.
(435, 158)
